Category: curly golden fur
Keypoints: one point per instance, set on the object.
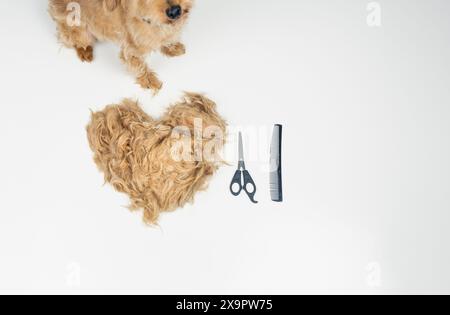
(138, 26)
(139, 155)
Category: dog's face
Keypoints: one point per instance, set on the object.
(159, 12)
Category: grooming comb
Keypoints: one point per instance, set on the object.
(276, 183)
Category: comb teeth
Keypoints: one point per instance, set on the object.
(276, 185)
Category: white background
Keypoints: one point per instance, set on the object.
(367, 149)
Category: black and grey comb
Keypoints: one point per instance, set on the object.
(276, 178)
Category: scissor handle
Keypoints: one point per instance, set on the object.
(237, 181)
(248, 181)
(249, 185)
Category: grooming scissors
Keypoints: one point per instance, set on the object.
(242, 179)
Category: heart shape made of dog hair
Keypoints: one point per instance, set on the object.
(160, 164)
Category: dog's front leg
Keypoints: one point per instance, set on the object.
(174, 50)
(137, 65)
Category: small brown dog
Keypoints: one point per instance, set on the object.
(139, 26)
(160, 164)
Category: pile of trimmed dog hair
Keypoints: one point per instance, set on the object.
(160, 164)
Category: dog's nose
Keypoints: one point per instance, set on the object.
(174, 12)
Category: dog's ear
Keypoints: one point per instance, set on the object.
(111, 5)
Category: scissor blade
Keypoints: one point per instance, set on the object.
(241, 148)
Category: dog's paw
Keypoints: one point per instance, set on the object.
(174, 50)
(85, 54)
(150, 81)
